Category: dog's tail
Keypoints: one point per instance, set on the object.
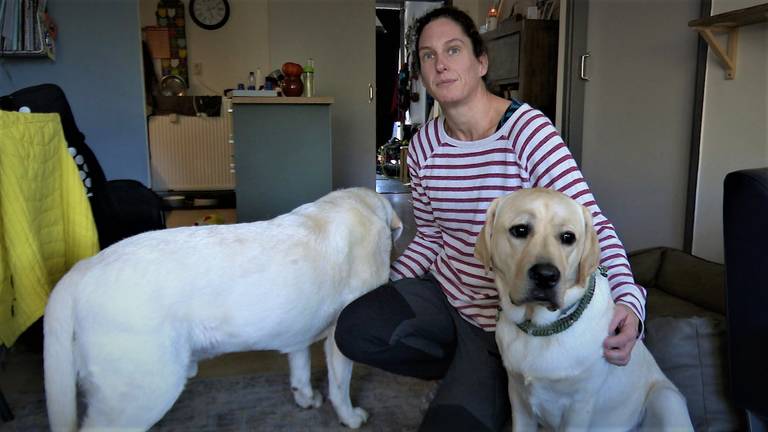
(58, 355)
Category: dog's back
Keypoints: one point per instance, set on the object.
(225, 278)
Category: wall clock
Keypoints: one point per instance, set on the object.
(209, 14)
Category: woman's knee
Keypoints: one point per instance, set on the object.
(349, 328)
(366, 325)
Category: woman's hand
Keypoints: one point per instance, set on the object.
(622, 335)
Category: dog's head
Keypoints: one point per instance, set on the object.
(539, 243)
(379, 206)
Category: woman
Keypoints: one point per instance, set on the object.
(436, 318)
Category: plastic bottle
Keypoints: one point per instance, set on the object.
(251, 81)
(309, 78)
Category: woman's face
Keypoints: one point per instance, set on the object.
(449, 69)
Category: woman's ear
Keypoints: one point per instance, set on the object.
(483, 59)
(483, 243)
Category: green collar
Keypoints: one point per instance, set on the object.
(566, 321)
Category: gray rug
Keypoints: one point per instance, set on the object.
(264, 403)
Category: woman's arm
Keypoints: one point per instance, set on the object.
(428, 242)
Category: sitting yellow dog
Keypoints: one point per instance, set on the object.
(555, 312)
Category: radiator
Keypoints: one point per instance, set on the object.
(191, 153)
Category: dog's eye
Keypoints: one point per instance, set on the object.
(568, 238)
(519, 231)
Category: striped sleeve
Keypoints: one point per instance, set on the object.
(421, 253)
(548, 163)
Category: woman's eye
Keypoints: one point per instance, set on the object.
(453, 50)
(568, 238)
(519, 231)
(427, 56)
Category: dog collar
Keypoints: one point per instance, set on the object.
(564, 322)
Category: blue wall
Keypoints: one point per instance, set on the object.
(98, 64)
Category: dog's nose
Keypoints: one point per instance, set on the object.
(544, 276)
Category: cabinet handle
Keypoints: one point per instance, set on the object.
(370, 93)
(583, 67)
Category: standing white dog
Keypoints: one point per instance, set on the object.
(130, 323)
(555, 313)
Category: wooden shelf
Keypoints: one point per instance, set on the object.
(323, 100)
(728, 22)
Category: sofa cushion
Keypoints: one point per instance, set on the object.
(645, 265)
(697, 280)
(661, 304)
(691, 352)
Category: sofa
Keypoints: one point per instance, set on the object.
(685, 329)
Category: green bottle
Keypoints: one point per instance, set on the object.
(309, 78)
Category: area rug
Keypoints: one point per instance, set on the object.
(264, 403)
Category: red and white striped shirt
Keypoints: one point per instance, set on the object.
(453, 183)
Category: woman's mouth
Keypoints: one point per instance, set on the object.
(445, 82)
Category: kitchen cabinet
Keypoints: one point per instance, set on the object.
(282, 149)
(523, 62)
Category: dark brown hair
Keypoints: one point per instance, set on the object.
(456, 15)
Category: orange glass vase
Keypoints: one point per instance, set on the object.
(292, 85)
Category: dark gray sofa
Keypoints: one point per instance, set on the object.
(686, 331)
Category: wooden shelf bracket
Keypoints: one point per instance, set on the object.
(729, 23)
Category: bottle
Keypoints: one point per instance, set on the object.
(309, 78)
(251, 81)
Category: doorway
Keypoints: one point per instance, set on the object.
(389, 54)
(397, 99)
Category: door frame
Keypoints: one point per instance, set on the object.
(575, 46)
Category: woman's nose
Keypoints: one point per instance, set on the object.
(440, 65)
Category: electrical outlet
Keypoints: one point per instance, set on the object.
(197, 68)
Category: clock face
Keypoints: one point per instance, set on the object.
(209, 14)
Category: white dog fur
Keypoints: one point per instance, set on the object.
(130, 323)
(563, 382)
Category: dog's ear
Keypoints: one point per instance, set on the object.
(483, 243)
(590, 254)
(395, 225)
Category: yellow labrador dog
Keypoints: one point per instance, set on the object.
(555, 313)
(130, 324)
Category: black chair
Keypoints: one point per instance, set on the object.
(121, 208)
(745, 229)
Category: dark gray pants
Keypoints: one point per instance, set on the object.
(409, 328)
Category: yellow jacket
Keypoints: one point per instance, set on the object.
(46, 224)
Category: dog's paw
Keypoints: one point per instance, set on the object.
(311, 399)
(356, 418)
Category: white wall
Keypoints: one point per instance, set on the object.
(226, 54)
(475, 8)
(734, 131)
